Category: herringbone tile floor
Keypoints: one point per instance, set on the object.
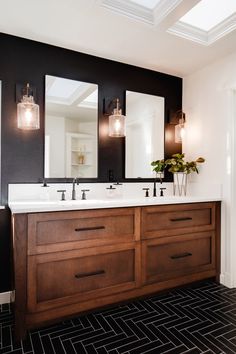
(196, 319)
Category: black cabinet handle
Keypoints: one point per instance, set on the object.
(90, 274)
(181, 255)
(181, 219)
(90, 228)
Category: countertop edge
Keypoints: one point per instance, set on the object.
(32, 206)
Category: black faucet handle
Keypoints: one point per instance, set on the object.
(147, 191)
(84, 193)
(161, 192)
(62, 191)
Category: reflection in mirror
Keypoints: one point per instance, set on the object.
(71, 116)
(144, 133)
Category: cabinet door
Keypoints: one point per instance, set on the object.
(173, 257)
(62, 278)
(169, 220)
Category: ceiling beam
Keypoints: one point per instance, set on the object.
(182, 7)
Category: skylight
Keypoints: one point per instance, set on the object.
(91, 100)
(63, 88)
(149, 4)
(209, 13)
(93, 97)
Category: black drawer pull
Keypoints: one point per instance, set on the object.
(90, 228)
(181, 219)
(84, 275)
(181, 255)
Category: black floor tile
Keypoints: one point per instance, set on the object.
(110, 339)
(200, 318)
(147, 347)
(130, 346)
(177, 350)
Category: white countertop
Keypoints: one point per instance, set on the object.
(31, 206)
(2, 207)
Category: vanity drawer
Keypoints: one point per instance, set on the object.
(58, 231)
(168, 220)
(80, 275)
(190, 254)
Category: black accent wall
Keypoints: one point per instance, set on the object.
(22, 152)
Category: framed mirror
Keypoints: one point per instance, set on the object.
(145, 125)
(71, 128)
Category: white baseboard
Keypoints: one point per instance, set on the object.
(226, 280)
(7, 297)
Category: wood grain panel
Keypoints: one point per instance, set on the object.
(168, 220)
(187, 254)
(71, 276)
(50, 232)
(19, 242)
(70, 309)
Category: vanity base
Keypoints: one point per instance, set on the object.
(106, 262)
(31, 321)
(34, 320)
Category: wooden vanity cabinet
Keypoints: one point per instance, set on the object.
(165, 259)
(61, 278)
(170, 220)
(180, 241)
(73, 261)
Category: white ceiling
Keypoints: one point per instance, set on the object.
(90, 27)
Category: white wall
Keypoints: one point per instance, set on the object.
(209, 101)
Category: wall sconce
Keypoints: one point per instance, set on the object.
(117, 122)
(27, 110)
(179, 128)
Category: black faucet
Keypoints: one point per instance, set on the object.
(155, 188)
(75, 181)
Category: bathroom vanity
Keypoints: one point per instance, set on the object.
(70, 261)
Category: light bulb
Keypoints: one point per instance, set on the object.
(117, 125)
(28, 116)
(27, 112)
(182, 132)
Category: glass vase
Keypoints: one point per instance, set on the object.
(180, 183)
